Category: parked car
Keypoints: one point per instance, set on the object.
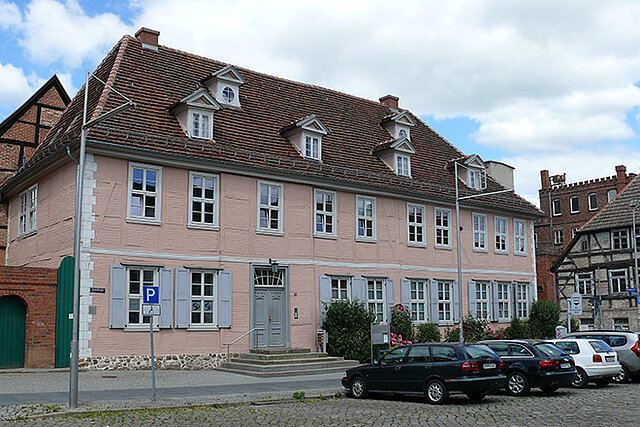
(626, 344)
(435, 370)
(529, 363)
(595, 361)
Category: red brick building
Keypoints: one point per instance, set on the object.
(567, 208)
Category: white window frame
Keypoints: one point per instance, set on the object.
(139, 297)
(577, 201)
(216, 201)
(504, 304)
(279, 208)
(483, 299)
(224, 96)
(476, 178)
(444, 230)
(479, 232)
(620, 323)
(501, 235)
(157, 194)
(522, 303)
(445, 301)
(519, 237)
(555, 212)
(202, 298)
(558, 236)
(592, 206)
(201, 127)
(584, 282)
(611, 194)
(377, 304)
(620, 235)
(308, 142)
(341, 282)
(365, 218)
(28, 211)
(402, 164)
(325, 213)
(617, 280)
(419, 227)
(574, 230)
(419, 304)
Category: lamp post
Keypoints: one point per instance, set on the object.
(634, 204)
(458, 198)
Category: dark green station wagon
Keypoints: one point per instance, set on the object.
(435, 370)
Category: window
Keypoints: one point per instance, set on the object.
(376, 298)
(620, 239)
(557, 208)
(504, 300)
(444, 301)
(228, 95)
(573, 202)
(402, 133)
(138, 277)
(394, 356)
(443, 353)
(365, 218)
(611, 194)
(584, 243)
(203, 199)
(202, 298)
(340, 289)
(28, 211)
(269, 207)
(312, 147)
(519, 237)
(637, 235)
(586, 325)
(144, 192)
(522, 300)
(593, 201)
(415, 224)
(557, 237)
(584, 283)
(403, 165)
(621, 324)
(569, 347)
(574, 230)
(619, 281)
(476, 179)
(442, 227)
(519, 351)
(324, 213)
(201, 124)
(479, 232)
(483, 289)
(501, 235)
(419, 354)
(418, 300)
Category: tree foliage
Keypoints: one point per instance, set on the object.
(348, 324)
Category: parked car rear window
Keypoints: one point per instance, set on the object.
(500, 348)
(479, 351)
(519, 350)
(443, 353)
(549, 349)
(570, 347)
(615, 340)
(395, 356)
(600, 347)
(419, 354)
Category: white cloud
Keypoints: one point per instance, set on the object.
(16, 86)
(10, 15)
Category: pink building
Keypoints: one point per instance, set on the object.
(250, 199)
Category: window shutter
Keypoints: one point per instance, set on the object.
(166, 298)
(433, 301)
(325, 294)
(513, 303)
(224, 299)
(456, 302)
(494, 300)
(359, 289)
(118, 296)
(390, 299)
(472, 299)
(405, 292)
(183, 304)
(533, 293)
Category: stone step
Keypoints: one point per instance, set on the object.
(279, 350)
(287, 361)
(262, 356)
(298, 367)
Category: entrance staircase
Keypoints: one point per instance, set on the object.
(285, 362)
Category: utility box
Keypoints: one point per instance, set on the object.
(380, 334)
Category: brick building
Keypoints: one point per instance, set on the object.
(568, 207)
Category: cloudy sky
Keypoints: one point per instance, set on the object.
(536, 84)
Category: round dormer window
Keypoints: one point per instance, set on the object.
(402, 133)
(228, 95)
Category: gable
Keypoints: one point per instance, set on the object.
(230, 74)
(475, 161)
(200, 98)
(313, 124)
(403, 144)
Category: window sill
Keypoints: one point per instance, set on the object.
(416, 245)
(366, 240)
(448, 248)
(27, 234)
(203, 227)
(520, 254)
(480, 250)
(137, 328)
(269, 232)
(143, 221)
(504, 320)
(203, 328)
(325, 236)
(501, 252)
(573, 213)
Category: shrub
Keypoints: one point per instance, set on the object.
(348, 324)
(428, 332)
(517, 330)
(475, 329)
(452, 335)
(575, 324)
(401, 322)
(543, 319)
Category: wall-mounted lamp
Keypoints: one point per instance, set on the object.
(274, 265)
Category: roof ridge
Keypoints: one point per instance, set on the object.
(106, 91)
(610, 202)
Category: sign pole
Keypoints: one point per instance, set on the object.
(153, 361)
(569, 318)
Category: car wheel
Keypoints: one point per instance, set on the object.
(582, 379)
(550, 389)
(602, 382)
(436, 392)
(476, 396)
(517, 384)
(623, 376)
(359, 388)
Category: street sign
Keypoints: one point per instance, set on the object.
(151, 309)
(575, 304)
(150, 295)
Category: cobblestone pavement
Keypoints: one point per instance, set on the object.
(612, 405)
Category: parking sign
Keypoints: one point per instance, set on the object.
(150, 295)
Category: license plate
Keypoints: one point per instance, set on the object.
(489, 365)
(565, 365)
(610, 358)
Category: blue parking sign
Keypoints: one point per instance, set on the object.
(150, 295)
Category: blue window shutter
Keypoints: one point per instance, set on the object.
(390, 299)
(118, 296)
(533, 293)
(512, 304)
(224, 299)
(456, 301)
(359, 289)
(405, 292)
(183, 297)
(325, 294)
(433, 302)
(473, 310)
(494, 300)
(166, 298)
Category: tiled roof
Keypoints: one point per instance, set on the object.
(617, 213)
(251, 136)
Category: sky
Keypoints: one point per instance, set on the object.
(535, 84)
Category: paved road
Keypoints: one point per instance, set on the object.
(612, 405)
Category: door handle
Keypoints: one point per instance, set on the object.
(269, 318)
(397, 368)
(427, 366)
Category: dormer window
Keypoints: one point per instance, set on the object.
(471, 170)
(403, 165)
(306, 136)
(402, 133)
(228, 95)
(398, 125)
(195, 114)
(476, 179)
(312, 147)
(225, 84)
(201, 124)
(396, 154)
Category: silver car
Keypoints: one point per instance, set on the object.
(625, 343)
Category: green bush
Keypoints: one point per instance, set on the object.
(401, 322)
(452, 335)
(428, 332)
(575, 324)
(517, 330)
(544, 317)
(475, 329)
(348, 324)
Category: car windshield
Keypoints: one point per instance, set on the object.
(549, 349)
(479, 351)
(600, 346)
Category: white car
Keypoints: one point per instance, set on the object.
(595, 361)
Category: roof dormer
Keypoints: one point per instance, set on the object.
(396, 154)
(398, 124)
(306, 136)
(472, 171)
(195, 114)
(225, 85)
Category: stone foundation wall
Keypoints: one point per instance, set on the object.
(166, 361)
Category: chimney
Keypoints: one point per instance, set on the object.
(148, 37)
(390, 101)
(544, 179)
(621, 177)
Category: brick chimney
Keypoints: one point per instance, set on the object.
(148, 37)
(390, 101)
(544, 179)
(621, 177)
